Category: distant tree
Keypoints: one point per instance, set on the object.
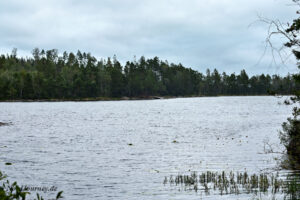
(14, 52)
(68, 76)
(36, 54)
(243, 83)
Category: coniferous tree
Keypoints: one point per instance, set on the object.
(75, 76)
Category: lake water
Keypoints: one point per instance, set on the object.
(83, 148)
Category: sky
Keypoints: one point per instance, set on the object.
(200, 34)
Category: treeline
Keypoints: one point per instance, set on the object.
(47, 75)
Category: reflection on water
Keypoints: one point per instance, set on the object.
(124, 149)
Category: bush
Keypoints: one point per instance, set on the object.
(290, 138)
(15, 192)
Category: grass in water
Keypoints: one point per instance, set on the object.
(238, 183)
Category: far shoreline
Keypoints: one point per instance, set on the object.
(126, 98)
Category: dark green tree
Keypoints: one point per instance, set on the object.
(49, 75)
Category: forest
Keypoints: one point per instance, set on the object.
(48, 75)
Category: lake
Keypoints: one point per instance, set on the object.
(125, 149)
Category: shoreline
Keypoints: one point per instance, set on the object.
(88, 99)
(126, 98)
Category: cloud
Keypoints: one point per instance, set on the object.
(199, 34)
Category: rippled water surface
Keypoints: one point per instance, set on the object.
(83, 148)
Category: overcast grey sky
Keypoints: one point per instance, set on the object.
(197, 33)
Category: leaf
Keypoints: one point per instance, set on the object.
(59, 195)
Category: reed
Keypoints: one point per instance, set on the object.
(238, 183)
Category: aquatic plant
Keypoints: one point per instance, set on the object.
(237, 183)
(292, 187)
